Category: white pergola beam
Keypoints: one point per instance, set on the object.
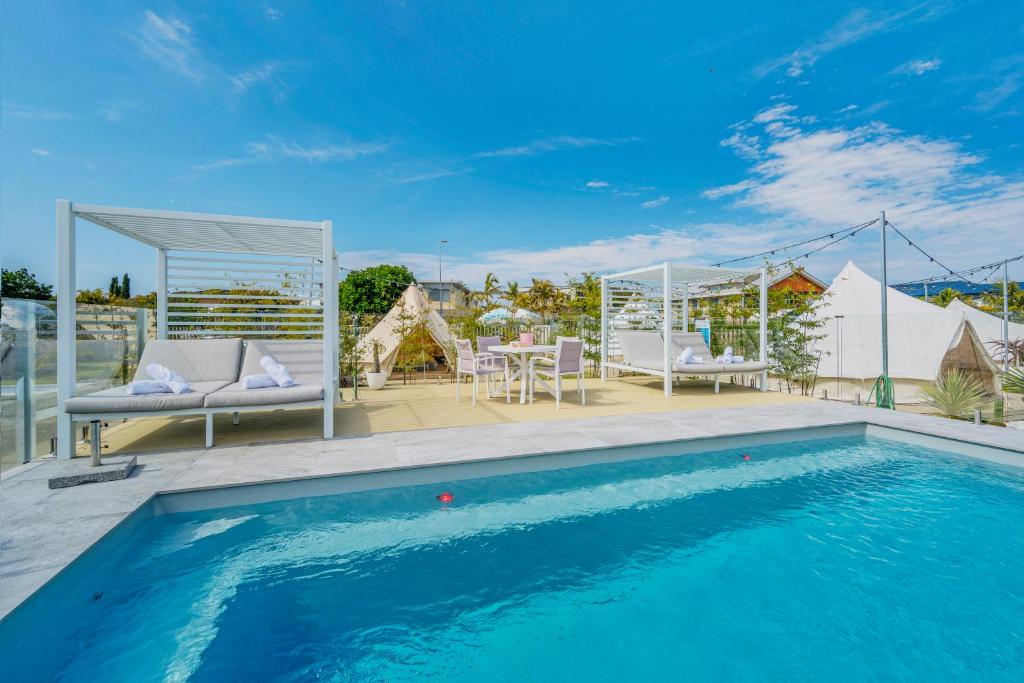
(666, 285)
(67, 367)
(330, 339)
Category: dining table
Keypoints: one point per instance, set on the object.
(523, 352)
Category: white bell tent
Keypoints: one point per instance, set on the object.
(213, 275)
(411, 306)
(924, 339)
(989, 327)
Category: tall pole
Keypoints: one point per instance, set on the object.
(885, 306)
(1006, 317)
(926, 292)
(440, 281)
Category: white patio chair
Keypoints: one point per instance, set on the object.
(477, 366)
(568, 361)
(484, 344)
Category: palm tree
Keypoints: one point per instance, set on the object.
(946, 296)
(543, 296)
(992, 300)
(491, 289)
(512, 298)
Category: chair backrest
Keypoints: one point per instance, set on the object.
(694, 340)
(197, 360)
(465, 349)
(569, 355)
(484, 344)
(642, 348)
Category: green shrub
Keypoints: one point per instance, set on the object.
(955, 394)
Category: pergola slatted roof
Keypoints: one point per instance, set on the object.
(683, 273)
(187, 231)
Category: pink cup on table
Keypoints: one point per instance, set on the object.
(526, 338)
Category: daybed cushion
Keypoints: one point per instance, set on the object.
(642, 349)
(304, 360)
(716, 368)
(116, 400)
(197, 360)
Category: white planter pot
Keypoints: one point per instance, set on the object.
(376, 380)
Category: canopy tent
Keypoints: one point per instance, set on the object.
(989, 327)
(411, 307)
(663, 291)
(217, 276)
(924, 339)
(502, 315)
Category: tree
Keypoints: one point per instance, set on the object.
(21, 284)
(543, 296)
(373, 290)
(114, 288)
(586, 299)
(126, 287)
(992, 300)
(946, 296)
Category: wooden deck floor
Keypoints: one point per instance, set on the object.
(425, 406)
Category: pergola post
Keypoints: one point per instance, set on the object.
(667, 326)
(763, 327)
(161, 293)
(686, 307)
(66, 361)
(604, 329)
(330, 327)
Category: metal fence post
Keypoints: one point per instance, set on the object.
(25, 427)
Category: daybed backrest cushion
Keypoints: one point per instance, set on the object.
(197, 360)
(642, 348)
(303, 358)
(695, 340)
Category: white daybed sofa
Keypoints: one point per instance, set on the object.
(643, 351)
(214, 368)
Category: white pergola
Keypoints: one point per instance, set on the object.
(195, 253)
(663, 291)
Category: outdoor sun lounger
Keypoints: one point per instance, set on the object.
(643, 350)
(214, 368)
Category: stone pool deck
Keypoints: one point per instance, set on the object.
(43, 530)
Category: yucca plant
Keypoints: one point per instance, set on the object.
(954, 394)
(1013, 380)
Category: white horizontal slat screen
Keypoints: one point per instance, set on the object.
(276, 297)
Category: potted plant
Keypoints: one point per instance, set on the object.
(376, 379)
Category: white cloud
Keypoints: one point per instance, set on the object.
(168, 41)
(690, 243)
(241, 82)
(428, 175)
(21, 111)
(554, 143)
(917, 67)
(857, 25)
(275, 148)
(655, 203)
(111, 114)
(597, 184)
(847, 109)
(272, 14)
(40, 151)
(834, 176)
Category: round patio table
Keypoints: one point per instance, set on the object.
(524, 353)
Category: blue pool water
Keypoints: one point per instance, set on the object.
(840, 559)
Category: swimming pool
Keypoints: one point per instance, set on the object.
(844, 558)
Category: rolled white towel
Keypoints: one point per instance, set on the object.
(728, 352)
(174, 381)
(695, 360)
(261, 381)
(141, 387)
(277, 371)
(737, 359)
(684, 356)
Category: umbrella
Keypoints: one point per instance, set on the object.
(502, 315)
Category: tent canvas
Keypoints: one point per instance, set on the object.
(411, 305)
(989, 327)
(921, 335)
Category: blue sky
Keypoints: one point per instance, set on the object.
(537, 138)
